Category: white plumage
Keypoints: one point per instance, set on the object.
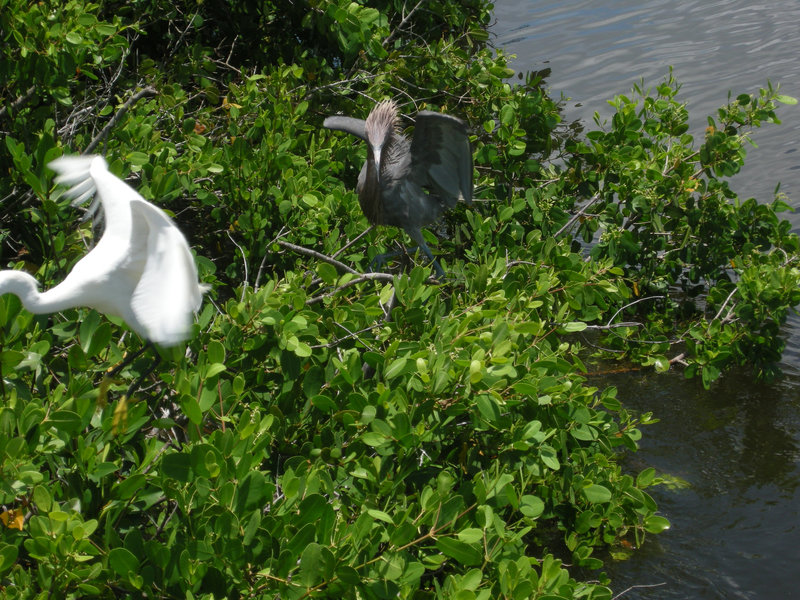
(141, 269)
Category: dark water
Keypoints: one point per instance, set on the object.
(736, 528)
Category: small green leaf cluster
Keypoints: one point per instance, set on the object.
(723, 270)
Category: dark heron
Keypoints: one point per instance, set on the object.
(410, 184)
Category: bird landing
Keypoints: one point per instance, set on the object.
(410, 184)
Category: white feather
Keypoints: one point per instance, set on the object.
(141, 269)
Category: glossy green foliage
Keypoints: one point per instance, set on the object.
(713, 275)
(327, 433)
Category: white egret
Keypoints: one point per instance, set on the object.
(141, 270)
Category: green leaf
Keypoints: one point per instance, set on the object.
(177, 465)
(252, 491)
(597, 494)
(137, 158)
(646, 477)
(549, 457)
(395, 368)
(656, 524)
(470, 535)
(372, 438)
(531, 506)
(380, 515)
(191, 408)
(123, 561)
(459, 551)
(66, 421)
(316, 564)
(8, 556)
(215, 369)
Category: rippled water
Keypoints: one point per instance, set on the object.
(599, 48)
(736, 529)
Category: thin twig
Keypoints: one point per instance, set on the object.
(615, 325)
(636, 587)
(319, 256)
(350, 334)
(679, 359)
(244, 260)
(353, 241)
(281, 233)
(629, 304)
(721, 308)
(342, 82)
(402, 23)
(386, 277)
(146, 91)
(19, 101)
(578, 214)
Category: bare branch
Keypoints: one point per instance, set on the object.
(244, 260)
(636, 587)
(629, 304)
(19, 101)
(281, 233)
(146, 91)
(721, 308)
(353, 241)
(392, 35)
(614, 326)
(319, 256)
(578, 214)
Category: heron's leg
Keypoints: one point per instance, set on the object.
(416, 235)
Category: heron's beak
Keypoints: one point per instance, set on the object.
(377, 154)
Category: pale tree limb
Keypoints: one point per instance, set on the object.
(244, 261)
(19, 101)
(385, 277)
(146, 91)
(637, 587)
(392, 35)
(319, 256)
(578, 214)
(353, 241)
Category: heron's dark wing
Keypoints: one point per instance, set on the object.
(442, 157)
(348, 124)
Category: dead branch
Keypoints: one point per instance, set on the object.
(578, 214)
(386, 277)
(319, 256)
(146, 91)
(19, 101)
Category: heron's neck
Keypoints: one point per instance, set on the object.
(369, 194)
(25, 287)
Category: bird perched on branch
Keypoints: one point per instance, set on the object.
(409, 184)
(141, 269)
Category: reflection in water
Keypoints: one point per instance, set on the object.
(736, 530)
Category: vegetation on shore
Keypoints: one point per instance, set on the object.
(333, 433)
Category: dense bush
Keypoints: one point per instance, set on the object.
(328, 433)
